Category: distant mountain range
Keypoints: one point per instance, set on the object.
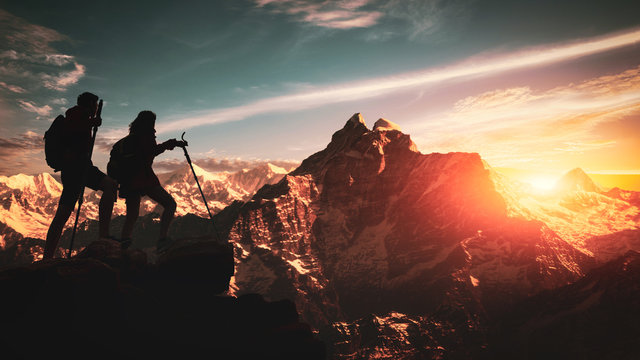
(391, 253)
(29, 202)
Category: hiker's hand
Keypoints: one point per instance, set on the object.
(96, 121)
(170, 144)
(181, 144)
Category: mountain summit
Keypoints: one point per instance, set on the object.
(384, 124)
(369, 225)
(577, 180)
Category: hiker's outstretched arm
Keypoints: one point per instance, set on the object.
(169, 144)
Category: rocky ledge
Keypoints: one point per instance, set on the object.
(108, 303)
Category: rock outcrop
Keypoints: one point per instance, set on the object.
(106, 303)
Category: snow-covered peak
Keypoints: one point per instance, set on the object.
(19, 181)
(357, 119)
(206, 175)
(185, 174)
(384, 125)
(577, 180)
(40, 183)
(277, 169)
(267, 168)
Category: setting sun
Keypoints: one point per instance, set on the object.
(541, 182)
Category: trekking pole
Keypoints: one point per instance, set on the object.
(84, 179)
(186, 154)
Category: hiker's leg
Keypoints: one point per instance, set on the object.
(133, 210)
(71, 184)
(109, 189)
(162, 197)
(55, 229)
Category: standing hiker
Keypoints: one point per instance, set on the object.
(131, 163)
(78, 171)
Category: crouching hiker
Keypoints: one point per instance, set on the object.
(131, 164)
(73, 159)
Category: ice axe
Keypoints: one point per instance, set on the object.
(186, 154)
(84, 178)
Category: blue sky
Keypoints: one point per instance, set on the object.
(538, 85)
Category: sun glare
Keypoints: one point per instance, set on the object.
(542, 183)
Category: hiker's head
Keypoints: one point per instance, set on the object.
(144, 122)
(88, 100)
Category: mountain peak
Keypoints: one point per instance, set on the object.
(356, 140)
(356, 119)
(276, 169)
(577, 179)
(383, 125)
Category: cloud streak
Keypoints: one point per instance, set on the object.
(550, 124)
(62, 81)
(28, 58)
(32, 107)
(478, 66)
(329, 14)
(13, 88)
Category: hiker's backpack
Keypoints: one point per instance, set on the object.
(55, 143)
(122, 161)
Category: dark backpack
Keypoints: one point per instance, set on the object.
(55, 144)
(122, 161)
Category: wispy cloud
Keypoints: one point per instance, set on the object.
(65, 79)
(13, 88)
(415, 19)
(32, 107)
(29, 60)
(60, 101)
(549, 123)
(346, 14)
(471, 68)
(421, 19)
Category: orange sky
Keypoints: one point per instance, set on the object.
(548, 179)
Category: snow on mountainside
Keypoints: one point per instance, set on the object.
(220, 189)
(29, 202)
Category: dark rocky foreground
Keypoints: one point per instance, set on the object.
(597, 317)
(106, 303)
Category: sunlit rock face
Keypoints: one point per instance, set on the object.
(371, 225)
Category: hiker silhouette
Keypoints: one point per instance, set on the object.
(77, 170)
(131, 163)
